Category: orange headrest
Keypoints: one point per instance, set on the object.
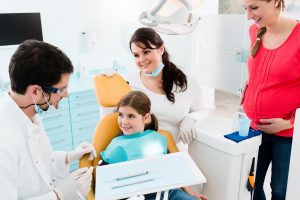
(110, 89)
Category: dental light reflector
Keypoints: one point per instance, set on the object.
(172, 16)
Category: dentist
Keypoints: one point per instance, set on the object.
(178, 100)
(29, 169)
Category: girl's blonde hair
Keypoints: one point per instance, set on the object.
(142, 104)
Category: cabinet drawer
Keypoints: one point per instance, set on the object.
(57, 126)
(85, 127)
(60, 140)
(84, 137)
(84, 103)
(63, 148)
(83, 113)
(74, 166)
(78, 96)
(63, 104)
(53, 116)
(83, 99)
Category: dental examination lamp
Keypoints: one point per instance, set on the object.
(172, 17)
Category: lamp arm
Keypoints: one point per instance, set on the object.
(157, 7)
(186, 4)
(144, 20)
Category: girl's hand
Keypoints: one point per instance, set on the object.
(192, 193)
(273, 125)
(200, 196)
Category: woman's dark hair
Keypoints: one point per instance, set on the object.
(37, 63)
(171, 73)
(142, 104)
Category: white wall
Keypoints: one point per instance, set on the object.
(293, 192)
(209, 7)
(60, 23)
(294, 173)
(219, 44)
(110, 23)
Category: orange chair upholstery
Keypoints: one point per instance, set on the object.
(109, 91)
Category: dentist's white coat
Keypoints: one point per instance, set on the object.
(28, 167)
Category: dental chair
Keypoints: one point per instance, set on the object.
(109, 91)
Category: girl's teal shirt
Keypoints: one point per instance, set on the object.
(135, 146)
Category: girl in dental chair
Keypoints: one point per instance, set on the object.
(139, 128)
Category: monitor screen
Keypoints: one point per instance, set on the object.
(17, 27)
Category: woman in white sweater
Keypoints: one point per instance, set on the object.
(177, 99)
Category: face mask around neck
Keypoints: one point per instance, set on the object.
(156, 71)
(38, 110)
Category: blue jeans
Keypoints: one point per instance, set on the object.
(277, 150)
(174, 194)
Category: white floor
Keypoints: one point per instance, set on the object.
(226, 105)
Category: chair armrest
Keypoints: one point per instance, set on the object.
(90, 195)
(85, 162)
(172, 147)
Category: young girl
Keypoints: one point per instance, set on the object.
(139, 128)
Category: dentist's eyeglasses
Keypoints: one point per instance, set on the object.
(60, 91)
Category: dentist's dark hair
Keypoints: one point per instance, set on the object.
(37, 63)
(146, 38)
(141, 104)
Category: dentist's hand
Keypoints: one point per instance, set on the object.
(83, 179)
(78, 183)
(187, 130)
(82, 149)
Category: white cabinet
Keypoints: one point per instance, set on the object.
(76, 118)
(224, 163)
(84, 115)
(58, 127)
